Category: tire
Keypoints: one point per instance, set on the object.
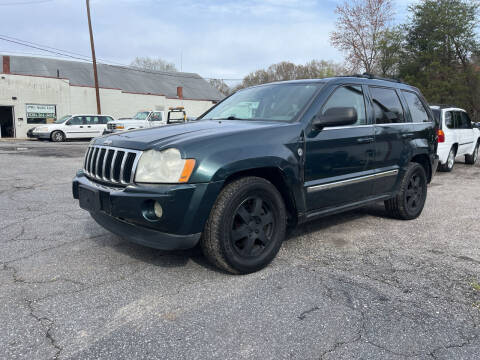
(448, 166)
(472, 159)
(57, 136)
(409, 202)
(246, 226)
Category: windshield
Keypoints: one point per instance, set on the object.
(277, 102)
(62, 119)
(141, 115)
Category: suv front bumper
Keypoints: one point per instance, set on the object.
(127, 212)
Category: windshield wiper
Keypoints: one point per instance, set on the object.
(229, 118)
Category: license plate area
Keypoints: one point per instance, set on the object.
(89, 199)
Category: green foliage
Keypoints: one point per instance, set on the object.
(439, 52)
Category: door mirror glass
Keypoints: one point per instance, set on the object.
(336, 116)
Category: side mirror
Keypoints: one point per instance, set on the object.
(68, 123)
(337, 116)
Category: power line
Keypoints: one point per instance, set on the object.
(25, 2)
(39, 48)
(77, 56)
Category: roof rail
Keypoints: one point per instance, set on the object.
(445, 106)
(373, 77)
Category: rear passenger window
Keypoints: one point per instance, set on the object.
(417, 109)
(449, 120)
(465, 121)
(387, 106)
(348, 96)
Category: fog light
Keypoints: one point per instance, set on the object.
(157, 208)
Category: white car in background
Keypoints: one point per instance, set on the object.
(78, 126)
(147, 119)
(457, 136)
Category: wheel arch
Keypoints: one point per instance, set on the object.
(424, 161)
(278, 178)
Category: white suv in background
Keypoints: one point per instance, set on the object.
(147, 119)
(76, 126)
(456, 136)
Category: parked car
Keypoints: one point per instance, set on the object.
(457, 136)
(76, 126)
(266, 157)
(147, 119)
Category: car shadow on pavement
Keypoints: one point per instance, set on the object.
(323, 223)
(181, 258)
(155, 257)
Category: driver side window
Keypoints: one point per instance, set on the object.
(77, 120)
(348, 96)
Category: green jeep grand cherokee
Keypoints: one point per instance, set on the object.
(265, 158)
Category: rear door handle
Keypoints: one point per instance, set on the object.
(407, 135)
(81, 126)
(365, 140)
(88, 126)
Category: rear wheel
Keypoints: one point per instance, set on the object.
(472, 159)
(448, 166)
(409, 203)
(246, 226)
(57, 136)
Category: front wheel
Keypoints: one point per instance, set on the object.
(472, 159)
(409, 203)
(57, 136)
(246, 226)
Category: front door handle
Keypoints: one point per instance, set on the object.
(407, 135)
(81, 126)
(88, 126)
(365, 140)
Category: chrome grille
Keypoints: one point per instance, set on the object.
(111, 126)
(110, 164)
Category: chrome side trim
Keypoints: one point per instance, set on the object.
(356, 180)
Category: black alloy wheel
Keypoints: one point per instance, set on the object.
(409, 202)
(414, 195)
(252, 227)
(246, 226)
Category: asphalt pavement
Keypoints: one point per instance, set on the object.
(353, 286)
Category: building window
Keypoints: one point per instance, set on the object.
(41, 114)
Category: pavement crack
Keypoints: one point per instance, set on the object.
(304, 314)
(48, 325)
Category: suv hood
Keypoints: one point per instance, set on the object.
(179, 133)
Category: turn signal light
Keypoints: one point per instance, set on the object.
(441, 136)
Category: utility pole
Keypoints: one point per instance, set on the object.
(94, 59)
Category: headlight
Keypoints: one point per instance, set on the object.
(165, 166)
(119, 126)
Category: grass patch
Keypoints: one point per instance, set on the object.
(475, 285)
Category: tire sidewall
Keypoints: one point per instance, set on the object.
(417, 169)
(275, 202)
(447, 165)
(54, 139)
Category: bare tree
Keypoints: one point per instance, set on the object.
(221, 86)
(148, 63)
(286, 70)
(358, 31)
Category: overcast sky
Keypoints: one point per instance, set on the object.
(215, 38)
